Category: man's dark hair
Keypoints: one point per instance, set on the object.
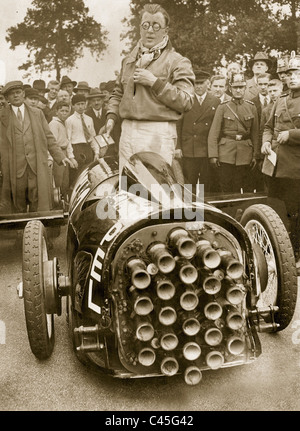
(154, 8)
(217, 78)
(61, 105)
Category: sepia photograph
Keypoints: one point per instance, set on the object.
(150, 208)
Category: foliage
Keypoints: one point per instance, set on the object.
(55, 33)
(210, 32)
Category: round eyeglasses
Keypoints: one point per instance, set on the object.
(155, 26)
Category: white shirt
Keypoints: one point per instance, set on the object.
(97, 113)
(75, 129)
(22, 109)
(201, 98)
(262, 99)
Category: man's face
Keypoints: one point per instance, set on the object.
(68, 87)
(283, 77)
(32, 101)
(84, 92)
(63, 96)
(53, 90)
(150, 37)
(238, 92)
(259, 67)
(218, 87)
(16, 96)
(201, 87)
(2, 101)
(263, 85)
(274, 92)
(97, 102)
(79, 107)
(294, 79)
(63, 113)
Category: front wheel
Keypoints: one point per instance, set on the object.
(40, 324)
(273, 250)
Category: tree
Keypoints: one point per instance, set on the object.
(56, 32)
(209, 31)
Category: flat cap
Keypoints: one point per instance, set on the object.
(78, 98)
(12, 85)
(31, 92)
(201, 75)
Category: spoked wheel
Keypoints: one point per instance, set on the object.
(39, 321)
(274, 261)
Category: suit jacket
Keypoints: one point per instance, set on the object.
(252, 89)
(43, 140)
(193, 128)
(98, 122)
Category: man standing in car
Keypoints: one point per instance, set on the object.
(155, 87)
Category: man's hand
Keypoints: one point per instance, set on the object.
(144, 77)
(178, 153)
(283, 137)
(108, 127)
(66, 161)
(215, 162)
(266, 148)
(73, 163)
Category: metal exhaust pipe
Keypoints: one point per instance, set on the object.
(214, 359)
(169, 341)
(234, 268)
(234, 294)
(213, 336)
(192, 375)
(188, 273)
(186, 246)
(169, 366)
(191, 326)
(213, 310)
(142, 304)
(165, 289)
(234, 320)
(167, 316)
(140, 278)
(146, 356)
(211, 284)
(189, 300)
(144, 329)
(208, 255)
(235, 345)
(191, 351)
(162, 258)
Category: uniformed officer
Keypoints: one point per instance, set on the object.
(233, 143)
(282, 135)
(282, 66)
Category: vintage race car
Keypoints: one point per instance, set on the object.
(158, 283)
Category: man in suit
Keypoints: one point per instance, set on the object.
(25, 139)
(233, 139)
(96, 100)
(193, 130)
(259, 64)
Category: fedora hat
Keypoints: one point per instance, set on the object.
(95, 92)
(32, 92)
(12, 85)
(82, 85)
(40, 85)
(260, 56)
(66, 80)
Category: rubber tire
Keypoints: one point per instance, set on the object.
(40, 326)
(284, 257)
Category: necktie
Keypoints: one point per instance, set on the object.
(85, 129)
(19, 116)
(266, 101)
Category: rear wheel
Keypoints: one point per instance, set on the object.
(40, 324)
(275, 261)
